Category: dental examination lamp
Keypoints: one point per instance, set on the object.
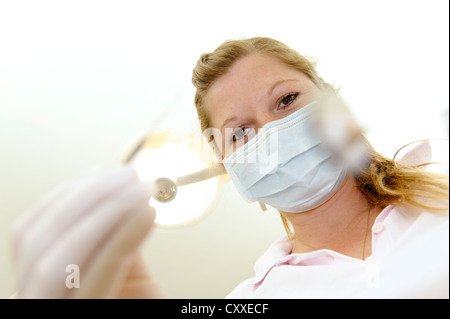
(185, 186)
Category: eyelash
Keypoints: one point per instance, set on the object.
(294, 95)
(241, 129)
(244, 129)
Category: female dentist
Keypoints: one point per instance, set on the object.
(375, 230)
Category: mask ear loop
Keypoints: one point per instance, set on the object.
(426, 152)
(418, 141)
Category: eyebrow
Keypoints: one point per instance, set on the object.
(232, 118)
(278, 83)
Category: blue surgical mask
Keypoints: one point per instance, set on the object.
(286, 165)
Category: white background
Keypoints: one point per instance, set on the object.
(79, 78)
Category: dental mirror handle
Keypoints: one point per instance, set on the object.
(201, 175)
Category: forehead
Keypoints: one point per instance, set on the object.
(246, 83)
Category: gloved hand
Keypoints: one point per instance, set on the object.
(94, 224)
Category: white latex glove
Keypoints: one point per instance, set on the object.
(97, 223)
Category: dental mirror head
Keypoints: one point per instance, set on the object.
(165, 190)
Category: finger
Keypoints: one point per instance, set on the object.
(139, 283)
(83, 241)
(116, 257)
(25, 221)
(67, 211)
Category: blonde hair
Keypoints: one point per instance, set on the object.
(383, 181)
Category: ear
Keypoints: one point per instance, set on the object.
(328, 86)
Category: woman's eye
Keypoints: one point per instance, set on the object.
(287, 100)
(240, 133)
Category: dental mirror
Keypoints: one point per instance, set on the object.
(185, 186)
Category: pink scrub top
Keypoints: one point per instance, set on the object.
(410, 259)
